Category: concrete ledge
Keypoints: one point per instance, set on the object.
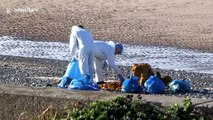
(15, 100)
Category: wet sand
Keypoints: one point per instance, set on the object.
(176, 23)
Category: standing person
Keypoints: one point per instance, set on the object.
(105, 54)
(82, 47)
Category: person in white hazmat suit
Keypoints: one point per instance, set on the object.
(82, 47)
(104, 53)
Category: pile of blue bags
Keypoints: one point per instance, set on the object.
(73, 79)
(154, 85)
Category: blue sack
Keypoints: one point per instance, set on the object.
(131, 85)
(65, 81)
(83, 83)
(72, 72)
(154, 85)
(179, 86)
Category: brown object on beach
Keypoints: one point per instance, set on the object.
(111, 86)
(166, 79)
(142, 71)
(56, 82)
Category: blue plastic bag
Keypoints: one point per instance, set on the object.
(72, 72)
(154, 85)
(177, 86)
(131, 85)
(65, 81)
(83, 83)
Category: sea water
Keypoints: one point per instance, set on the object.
(168, 58)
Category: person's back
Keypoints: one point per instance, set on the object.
(85, 40)
(103, 50)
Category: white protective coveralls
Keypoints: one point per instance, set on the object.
(104, 51)
(82, 47)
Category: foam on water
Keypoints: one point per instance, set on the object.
(157, 57)
(24, 48)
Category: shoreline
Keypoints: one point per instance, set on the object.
(158, 57)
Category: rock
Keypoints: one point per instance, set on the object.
(33, 84)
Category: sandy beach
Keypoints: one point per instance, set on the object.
(176, 23)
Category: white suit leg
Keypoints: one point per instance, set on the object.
(83, 63)
(91, 64)
(98, 71)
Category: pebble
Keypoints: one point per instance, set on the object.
(24, 74)
(33, 84)
(39, 85)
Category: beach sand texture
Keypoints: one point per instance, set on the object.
(176, 23)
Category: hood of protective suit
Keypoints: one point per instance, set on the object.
(112, 44)
(75, 29)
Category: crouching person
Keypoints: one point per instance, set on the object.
(104, 54)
